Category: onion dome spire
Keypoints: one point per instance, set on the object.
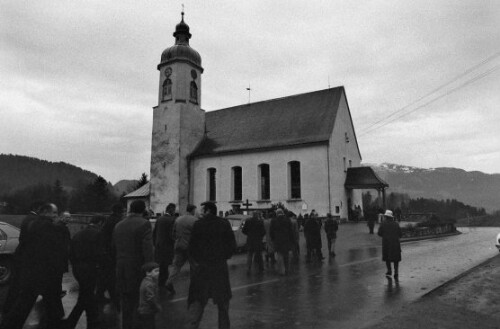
(181, 33)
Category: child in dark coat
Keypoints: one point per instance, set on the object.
(149, 303)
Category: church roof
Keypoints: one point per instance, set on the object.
(141, 192)
(288, 121)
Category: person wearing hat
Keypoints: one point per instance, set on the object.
(212, 244)
(390, 232)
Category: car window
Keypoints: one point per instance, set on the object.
(3, 236)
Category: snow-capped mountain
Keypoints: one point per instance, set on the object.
(471, 187)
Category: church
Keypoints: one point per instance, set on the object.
(300, 151)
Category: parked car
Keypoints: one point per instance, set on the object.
(9, 239)
(497, 243)
(237, 222)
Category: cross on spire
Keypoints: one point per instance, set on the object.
(182, 12)
(249, 90)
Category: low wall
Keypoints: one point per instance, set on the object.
(413, 231)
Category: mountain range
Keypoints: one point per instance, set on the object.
(474, 188)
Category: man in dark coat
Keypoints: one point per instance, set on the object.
(39, 273)
(312, 232)
(87, 257)
(390, 232)
(132, 239)
(371, 222)
(212, 244)
(281, 232)
(255, 232)
(164, 240)
(331, 228)
(18, 254)
(107, 279)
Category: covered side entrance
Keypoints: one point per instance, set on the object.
(365, 178)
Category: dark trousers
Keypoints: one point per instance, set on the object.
(164, 259)
(163, 277)
(23, 303)
(316, 251)
(255, 257)
(86, 275)
(129, 302)
(147, 321)
(330, 242)
(371, 226)
(195, 313)
(107, 282)
(396, 267)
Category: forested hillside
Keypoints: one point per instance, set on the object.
(18, 172)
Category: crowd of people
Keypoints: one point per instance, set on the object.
(122, 260)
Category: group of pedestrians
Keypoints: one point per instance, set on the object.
(126, 258)
(282, 232)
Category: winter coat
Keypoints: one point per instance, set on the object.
(281, 232)
(133, 244)
(149, 300)
(163, 238)
(87, 246)
(182, 231)
(64, 239)
(40, 261)
(391, 248)
(107, 231)
(331, 228)
(312, 232)
(255, 232)
(212, 244)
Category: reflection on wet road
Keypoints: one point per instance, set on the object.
(349, 291)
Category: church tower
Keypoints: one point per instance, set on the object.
(178, 122)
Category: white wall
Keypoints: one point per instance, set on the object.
(337, 151)
(314, 182)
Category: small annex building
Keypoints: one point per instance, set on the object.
(294, 150)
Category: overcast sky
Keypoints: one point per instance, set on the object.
(78, 79)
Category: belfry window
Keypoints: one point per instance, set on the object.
(237, 184)
(211, 188)
(193, 95)
(167, 90)
(264, 182)
(294, 179)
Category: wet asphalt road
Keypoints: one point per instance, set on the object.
(348, 291)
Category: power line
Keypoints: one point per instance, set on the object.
(469, 70)
(478, 77)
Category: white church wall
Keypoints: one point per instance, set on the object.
(314, 182)
(338, 151)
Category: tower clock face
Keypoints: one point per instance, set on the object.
(168, 71)
(194, 74)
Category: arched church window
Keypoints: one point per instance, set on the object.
(211, 187)
(264, 182)
(294, 189)
(193, 95)
(167, 90)
(237, 180)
